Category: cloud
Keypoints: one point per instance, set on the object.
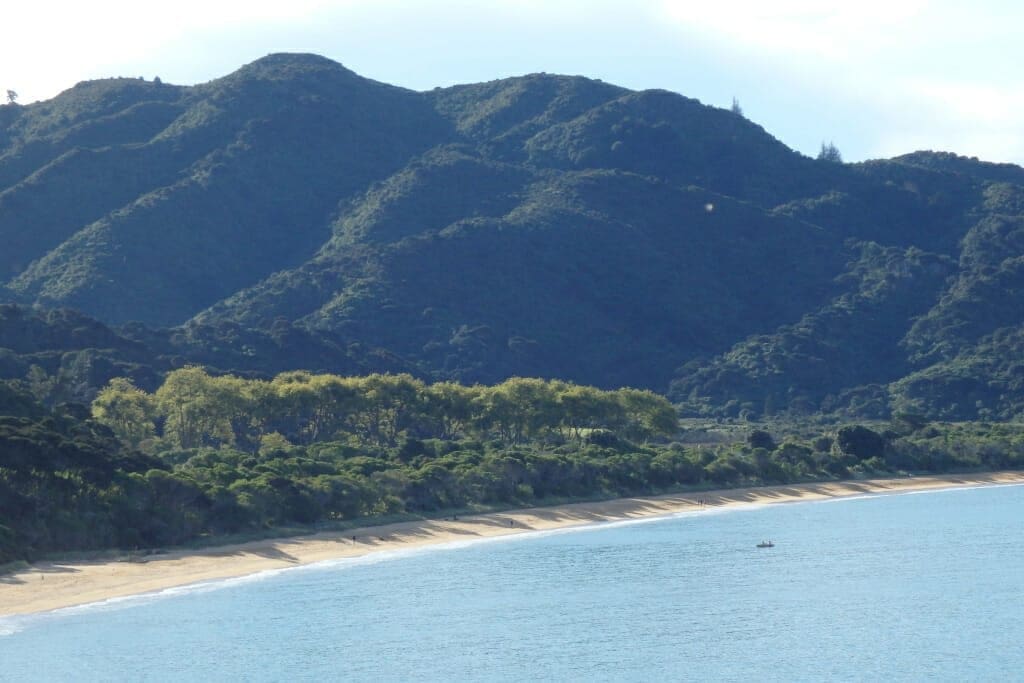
(820, 28)
(937, 75)
(974, 119)
(49, 46)
(979, 103)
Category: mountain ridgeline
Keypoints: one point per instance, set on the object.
(296, 215)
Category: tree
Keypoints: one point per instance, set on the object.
(859, 442)
(199, 408)
(761, 439)
(40, 383)
(829, 152)
(127, 410)
(519, 408)
(904, 424)
(585, 407)
(646, 414)
(274, 443)
(390, 405)
(736, 108)
(449, 406)
(314, 407)
(12, 97)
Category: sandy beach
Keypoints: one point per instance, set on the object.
(53, 585)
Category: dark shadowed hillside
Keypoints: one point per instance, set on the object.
(548, 286)
(294, 214)
(245, 180)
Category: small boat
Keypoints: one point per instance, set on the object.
(765, 544)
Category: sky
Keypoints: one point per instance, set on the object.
(876, 78)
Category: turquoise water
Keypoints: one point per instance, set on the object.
(926, 586)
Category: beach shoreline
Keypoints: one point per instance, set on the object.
(48, 586)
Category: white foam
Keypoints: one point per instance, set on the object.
(914, 492)
(9, 626)
(963, 487)
(845, 499)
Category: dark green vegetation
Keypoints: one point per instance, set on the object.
(293, 214)
(205, 456)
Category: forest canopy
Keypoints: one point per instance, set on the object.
(194, 409)
(204, 456)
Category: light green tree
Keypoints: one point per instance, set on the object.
(645, 414)
(198, 408)
(449, 406)
(583, 407)
(519, 408)
(391, 404)
(127, 410)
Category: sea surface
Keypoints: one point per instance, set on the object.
(922, 586)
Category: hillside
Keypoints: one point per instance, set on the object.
(294, 214)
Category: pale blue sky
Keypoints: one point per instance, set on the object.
(877, 78)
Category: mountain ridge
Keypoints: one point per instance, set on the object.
(542, 225)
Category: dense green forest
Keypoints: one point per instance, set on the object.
(469, 275)
(295, 214)
(205, 456)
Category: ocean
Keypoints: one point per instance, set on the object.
(912, 586)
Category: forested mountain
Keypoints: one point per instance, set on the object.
(296, 215)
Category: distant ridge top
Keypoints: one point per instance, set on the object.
(287, 64)
(308, 69)
(971, 166)
(275, 59)
(297, 72)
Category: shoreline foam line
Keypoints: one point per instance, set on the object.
(50, 586)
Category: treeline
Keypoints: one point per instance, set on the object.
(65, 480)
(193, 409)
(227, 455)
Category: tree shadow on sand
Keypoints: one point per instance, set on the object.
(40, 571)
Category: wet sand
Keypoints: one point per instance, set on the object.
(53, 585)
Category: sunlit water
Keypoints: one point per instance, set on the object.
(926, 586)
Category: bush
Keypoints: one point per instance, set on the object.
(859, 441)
